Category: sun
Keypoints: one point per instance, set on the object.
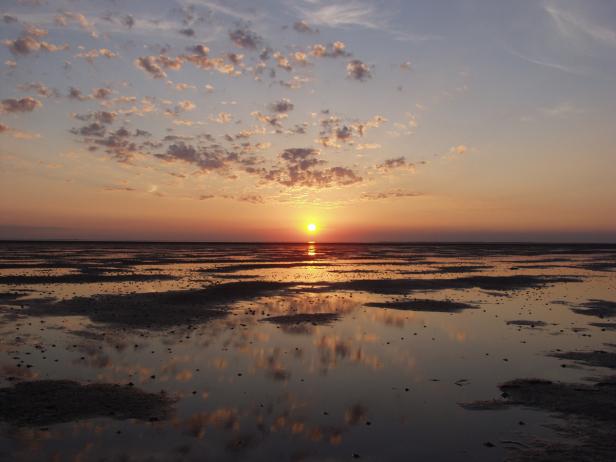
(311, 228)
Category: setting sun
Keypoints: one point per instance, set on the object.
(312, 228)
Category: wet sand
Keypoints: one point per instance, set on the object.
(307, 352)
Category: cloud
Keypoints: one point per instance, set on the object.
(302, 167)
(331, 50)
(95, 129)
(184, 86)
(201, 59)
(245, 38)
(27, 104)
(103, 117)
(334, 131)
(187, 105)
(547, 63)
(390, 194)
(188, 32)
(282, 61)
(357, 70)
(251, 198)
(128, 21)
(273, 120)
(119, 188)
(222, 118)
(18, 134)
(27, 44)
(398, 163)
(187, 153)
(75, 93)
(363, 147)
(560, 111)
(407, 127)
(355, 13)
(294, 82)
(39, 88)
(208, 158)
(235, 58)
(303, 28)
(101, 93)
(91, 55)
(63, 18)
(460, 149)
(282, 106)
(122, 144)
(156, 65)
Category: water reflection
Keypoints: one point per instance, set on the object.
(297, 367)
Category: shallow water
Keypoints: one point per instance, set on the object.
(367, 381)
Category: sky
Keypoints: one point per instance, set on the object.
(466, 120)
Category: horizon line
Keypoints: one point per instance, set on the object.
(442, 242)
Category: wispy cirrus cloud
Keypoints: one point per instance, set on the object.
(341, 14)
(547, 63)
(574, 25)
(354, 13)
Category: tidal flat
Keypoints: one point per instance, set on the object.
(307, 352)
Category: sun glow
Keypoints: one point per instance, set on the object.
(312, 228)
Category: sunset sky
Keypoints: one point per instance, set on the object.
(248, 120)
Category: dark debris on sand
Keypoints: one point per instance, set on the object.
(417, 304)
(588, 413)
(47, 402)
(526, 323)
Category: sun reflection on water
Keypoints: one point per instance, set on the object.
(312, 249)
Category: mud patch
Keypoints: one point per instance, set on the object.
(48, 402)
(588, 413)
(439, 306)
(83, 278)
(598, 308)
(462, 269)
(604, 325)
(311, 318)
(597, 401)
(255, 266)
(157, 309)
(495, 283)
(597, 358)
